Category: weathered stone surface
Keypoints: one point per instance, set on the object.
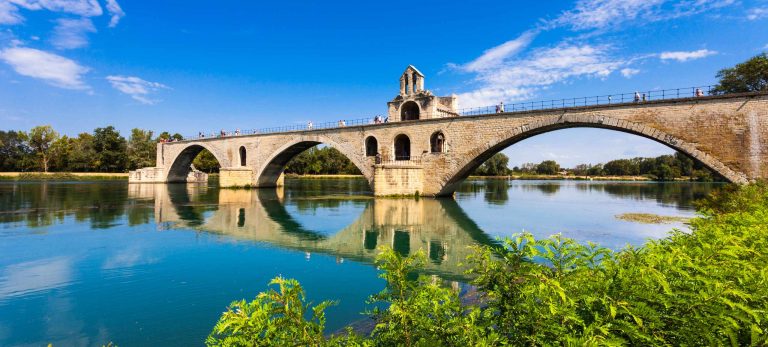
(727, 133)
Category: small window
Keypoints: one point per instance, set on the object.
(437, 142)
(371, 146)
(242, 155)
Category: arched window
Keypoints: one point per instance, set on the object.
(402, 147)
(371, 146)
(437, 142)
(409, 111)
(242, 155)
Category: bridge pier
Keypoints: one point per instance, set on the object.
(398, 179)
(236, 177)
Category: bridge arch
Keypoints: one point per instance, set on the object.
(269, 172)
(477, 156)
(182, 162)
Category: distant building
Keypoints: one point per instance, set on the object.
(415, 102)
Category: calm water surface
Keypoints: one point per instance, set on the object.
(83, 264)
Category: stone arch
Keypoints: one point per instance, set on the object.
(480, 154)
(182, 163)
(243, 157)
(371, 146)
(269, 173)
(410, 111)
(437, 142)
(402, 147)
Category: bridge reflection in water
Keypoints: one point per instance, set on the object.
(438, 226)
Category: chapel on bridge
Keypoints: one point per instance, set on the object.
(414, 102)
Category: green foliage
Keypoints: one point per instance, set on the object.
(497, 165)
(274, 318)
(14, 151)
(40, 140)
(707, 287)
(548, 167)
(206, 162)
(321, 161)
(141, 149)
(749, 76)
(110, 150)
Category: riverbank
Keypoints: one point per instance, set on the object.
(62, 176)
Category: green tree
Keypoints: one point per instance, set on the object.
(206, 162)
(497, 165)
(82, 156)
(141, 149)
(40, 140)
(749, 76)
(110, 150)
(14, 151)
(622, 167)
(60, 151)
(548, 167)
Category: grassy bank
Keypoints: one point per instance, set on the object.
(62, 176)
(565, 177)
(706, 287)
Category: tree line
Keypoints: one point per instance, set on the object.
(661, 168)
(104, 150)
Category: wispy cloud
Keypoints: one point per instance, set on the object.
(519, 78)
(9, 9)
(508, 73)
(9, 14)
(137, 88)
(608, 14)
(492, 57)
(683, 56)
(85, 8)
(629, 72)
(72, 33)
(115, 11)
(757, 13)
(53, 69)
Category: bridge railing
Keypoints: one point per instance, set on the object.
(608, 99)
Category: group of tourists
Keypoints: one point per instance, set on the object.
(379, 120)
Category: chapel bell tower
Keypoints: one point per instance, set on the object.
(414, 102)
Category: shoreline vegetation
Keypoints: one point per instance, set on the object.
(703, 287)
(84, 176)
(62, 176)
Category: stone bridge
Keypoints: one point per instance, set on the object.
(426, 148)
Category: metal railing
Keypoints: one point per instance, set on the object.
(608, 99)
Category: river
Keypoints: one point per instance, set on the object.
(85, 263)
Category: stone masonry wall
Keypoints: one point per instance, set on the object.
(727, 133)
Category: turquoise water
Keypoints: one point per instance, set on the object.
(85, 263)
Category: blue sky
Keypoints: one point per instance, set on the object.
(187, 66)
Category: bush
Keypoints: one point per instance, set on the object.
(707, 287)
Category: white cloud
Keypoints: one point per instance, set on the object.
(35, 276)
(496, 55)
(137, 88)
(85, 8)
(72, 33)
(9, 9)
(606, 14)
(683, 56)
(9, 14)
(115, 11)
(629, 72)
(519, 79)
(51, 68)
(757, 13)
